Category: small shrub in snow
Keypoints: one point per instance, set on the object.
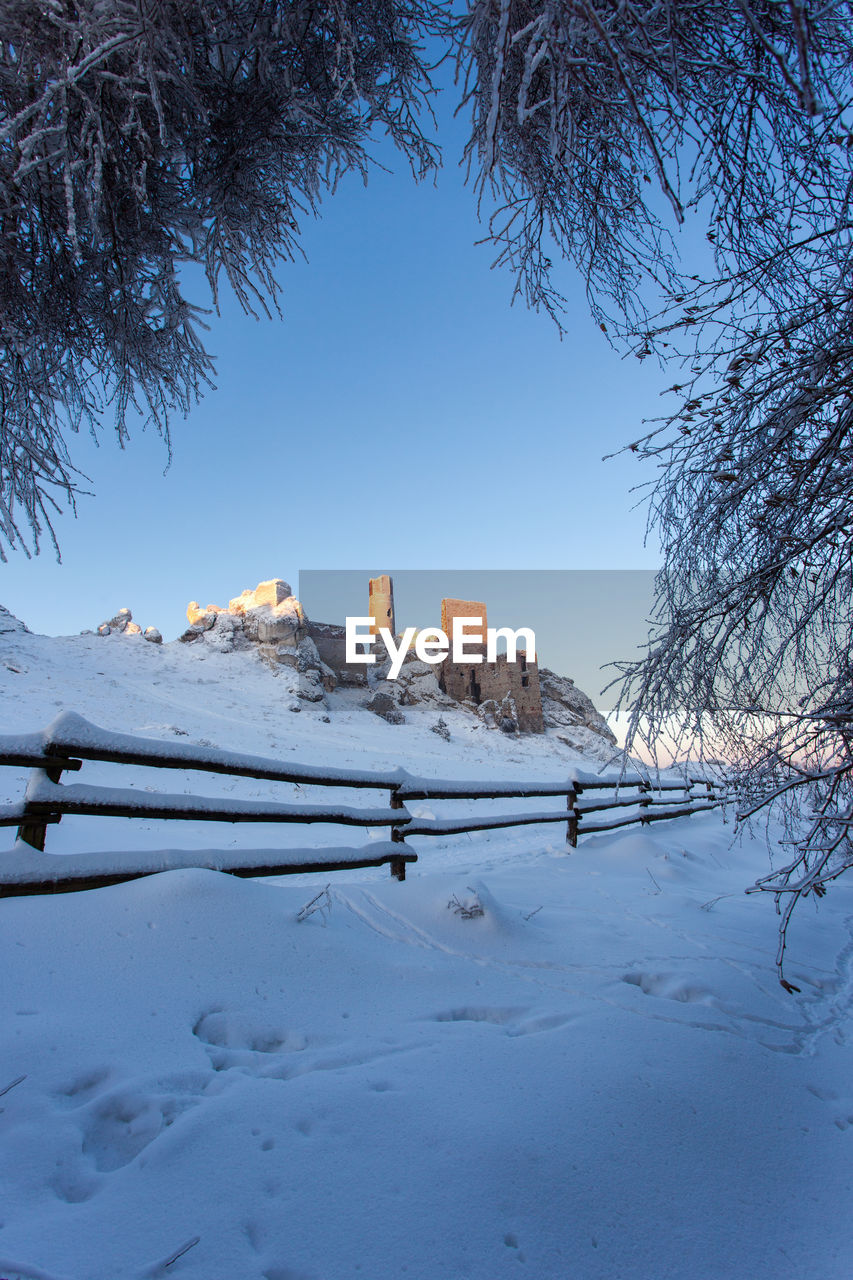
(441, 728)
(469, 909)
(321, 902)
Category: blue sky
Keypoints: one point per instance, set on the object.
(400, 413)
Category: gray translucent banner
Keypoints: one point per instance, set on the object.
(583, 619)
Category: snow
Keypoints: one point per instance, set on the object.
(598, 1078)
(23, 865)
(82, 799)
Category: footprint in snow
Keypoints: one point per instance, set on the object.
(235, 1039)
(512, 1018)
(669, 986)
(121, 1125)
(842, 1107)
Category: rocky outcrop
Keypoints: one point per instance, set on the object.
(383, 702)
(566, 706)
(10, 625)
(203, 618)
(417, 682)
(123, 625)
(315, 678)
(584, 742)
(269, 594)
(119, 623)
(272, 621)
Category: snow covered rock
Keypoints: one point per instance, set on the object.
(193, 632)
(280, 623)
(152, 634)
(202, 618)
(383, 703)
(501, 715)
(587, 742)
(312, 668)
(310, 687)
(315, 679)
(268, 616)
(270, 593)
(563, 704)
(10, 625)
(123, 624)
(417, 682)
(121, 621)
(226, 633)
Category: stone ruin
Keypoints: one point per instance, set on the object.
(380, 604)
(514, 696)
(507, 694)
(510, 696)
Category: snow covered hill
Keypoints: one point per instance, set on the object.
(518, 1062)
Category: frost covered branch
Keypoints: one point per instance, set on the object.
(599, 128)
(139, 136)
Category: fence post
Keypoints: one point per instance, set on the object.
(398, 866)
(572, 826)
(34, 833)
(645, 802)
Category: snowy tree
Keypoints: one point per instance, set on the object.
(137, 136)
(598, 126)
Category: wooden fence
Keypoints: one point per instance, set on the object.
(70, 740)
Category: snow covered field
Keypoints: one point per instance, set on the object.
(598, 1078)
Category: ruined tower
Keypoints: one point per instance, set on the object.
(380, 605)
(451, 609)
(482, 681)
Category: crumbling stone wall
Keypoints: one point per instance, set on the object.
(484, 681)
(451, 609)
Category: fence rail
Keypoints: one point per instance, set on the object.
(71, 740)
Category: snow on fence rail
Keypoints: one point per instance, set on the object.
(69, 740)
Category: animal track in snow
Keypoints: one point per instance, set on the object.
(242, 1041)
(843, 1107)
(74, 1185)
(474, 1013)
(670, 986)
(80, 1090)
(121, 1125)
(236, 1039)
(512, 1018)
